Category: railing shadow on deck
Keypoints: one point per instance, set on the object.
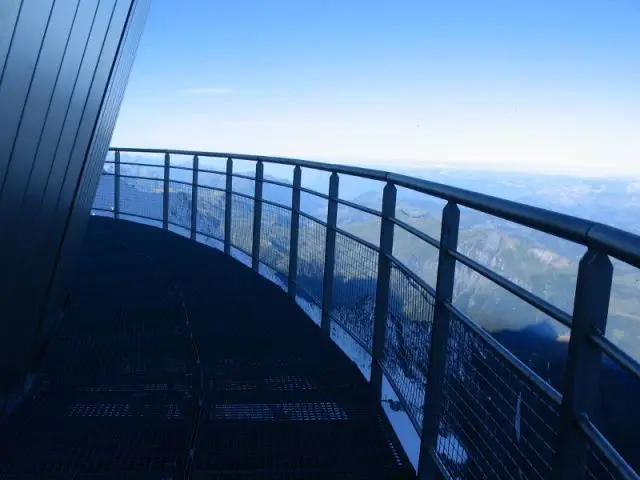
(474, 409)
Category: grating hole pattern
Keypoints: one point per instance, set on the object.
(233, 385)
(153, 387)
(289, 383)
(100, 410)
(292, 412)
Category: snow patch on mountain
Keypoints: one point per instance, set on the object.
(550, 258)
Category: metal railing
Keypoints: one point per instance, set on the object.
(479, 411)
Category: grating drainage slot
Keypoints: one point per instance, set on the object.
(100, 410)
(295, 412)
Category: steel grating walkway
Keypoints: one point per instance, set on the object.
(174, 360)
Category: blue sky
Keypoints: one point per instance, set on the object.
(528, 84)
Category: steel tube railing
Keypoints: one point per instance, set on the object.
(330, 253)
(116, 185)
(587, 343)
(580, 392)
(523, 294)
(597, 439)
(228, 213)
(383, 280)
(618, 356)
(194, 197)
(364, 209)
(295, 230)
(620, 244)
(257, 216)
(508, 357)
(433, 403)
(165, 196)
(417, 233)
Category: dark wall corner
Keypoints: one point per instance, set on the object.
(64, 67)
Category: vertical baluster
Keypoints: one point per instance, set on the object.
(194, 198)
(330, 253)
(295, 227)
(227, 207)
(382, 286)
(116, 185)
(580, 392)
(427, 468)
(165, 196)
(257, 216)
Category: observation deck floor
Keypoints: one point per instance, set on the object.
(175, 361)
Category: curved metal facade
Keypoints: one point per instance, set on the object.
(64, 65)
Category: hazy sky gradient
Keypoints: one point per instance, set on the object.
(543, 84)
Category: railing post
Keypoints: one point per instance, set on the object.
(580, 392)
(194, 198)
(165, 196)
(116, 185)
(228, 198)
(257, 216)
(295, 230)
(427, 468)
(330, 253)
(382, 287)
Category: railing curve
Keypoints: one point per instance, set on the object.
(478, 411)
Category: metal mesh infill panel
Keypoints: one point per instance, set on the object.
(354, 288)
(275, 238)
(105, 198)
(407, 343)
(311, 252)
(211, 211)
(242, 223)
(599, 467)
(141, 197)
(495, 424)
(180, 201)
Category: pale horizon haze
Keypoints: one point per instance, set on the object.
(549, 86)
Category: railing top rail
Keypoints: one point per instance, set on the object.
(618, 243)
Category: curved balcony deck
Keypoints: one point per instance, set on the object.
(175, 359)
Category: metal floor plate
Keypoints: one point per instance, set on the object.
(175, 361)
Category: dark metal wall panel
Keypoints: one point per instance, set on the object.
(64, 67)
(38, 97)
(20, 65)
(8, 18)
(79, 206)
(59, 106)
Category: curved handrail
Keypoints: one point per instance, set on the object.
(433, 319)
(616, 242)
